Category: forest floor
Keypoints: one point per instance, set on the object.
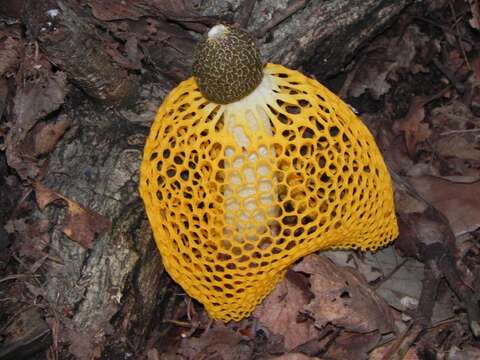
(417, 87)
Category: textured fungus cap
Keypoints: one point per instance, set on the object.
(227, 65)
(236, 193)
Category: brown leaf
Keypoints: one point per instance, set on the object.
(455, 115)
(218, 343)
(81, 344)
(32, 237)
(133, 52)
(380, 352)
(81, 225)
(402, 279)
(475, 9)
(109, 10)
(467, 352)
(353, 346)
(126, 62)
(343, 298)
(457, 201)
(411, 125)
(47, 134)
(38, 99)
(10, 51)
(35, 99)
(384, 60)
(456, 131)
(365, 263)
(457, 146)
(279, 312)
(422, 226)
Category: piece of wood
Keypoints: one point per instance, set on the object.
(69, 42)
(323, 36)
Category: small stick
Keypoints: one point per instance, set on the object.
(448, 74)
(280, 16)
(388, 276)
(427, 297)
(246, 13)
(455, 24)
(442, 27)
(399, 349)
(452, 132)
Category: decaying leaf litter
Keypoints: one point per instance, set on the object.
(421, 100)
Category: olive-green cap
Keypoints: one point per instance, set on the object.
(227, 65)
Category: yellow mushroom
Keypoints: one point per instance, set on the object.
(248, 168)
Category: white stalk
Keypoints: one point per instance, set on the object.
(249, 192)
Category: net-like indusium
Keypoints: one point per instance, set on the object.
(237, 193)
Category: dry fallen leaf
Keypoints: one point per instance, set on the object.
(32, 237)
(218, 343)
(380, 352)
(412, 125)
(343, 298)
(279, 312)
(457, 201)
(353, 346)
(465, 353)
(399, 282)
(47, 134)
(125, 61)
(385, 60)
(109, 10)
(365, 263)
(81, 344)
(35, 99)
(475, 9)
(38, 99)
(457, 146)
(10, 50)
(81, 225)
(455, 115)
(456, 131)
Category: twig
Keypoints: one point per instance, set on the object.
(388, 276)
(17, 276)
(319, 344)
(428, 295)
(185, 324)
(469, 298)
(455, 24)
(246, 13)
(445, 322)
(448, 74)
(422, 318)
(452, 132)
(436, 249)
(442, 27)
(400, 347)
(279, 16)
